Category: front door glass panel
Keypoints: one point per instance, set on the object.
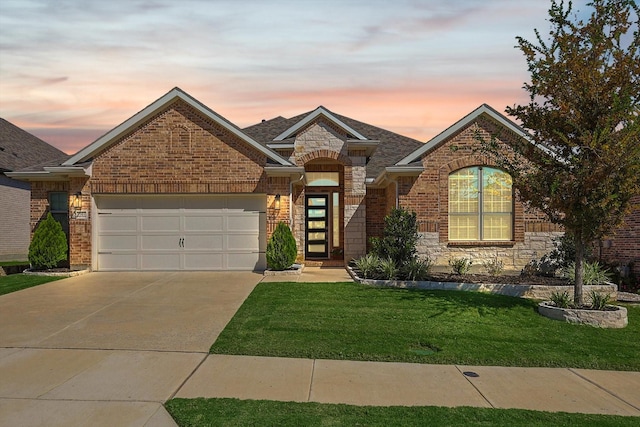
(317, 230)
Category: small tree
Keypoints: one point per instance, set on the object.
(583, 167)
(399, 238)
(281, 248)
(49, 244)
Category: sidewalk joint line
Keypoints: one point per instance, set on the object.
(602, 388)
(474, 386)
(313, 371)
(188, 378)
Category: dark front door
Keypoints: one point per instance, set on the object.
(317, 226)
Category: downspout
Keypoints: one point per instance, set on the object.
(395, 181)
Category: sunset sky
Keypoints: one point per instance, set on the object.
(72, 70)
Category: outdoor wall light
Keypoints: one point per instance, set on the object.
(277, 203)
(77, 201)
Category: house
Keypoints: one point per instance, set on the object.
(178, 187)
(18, 150)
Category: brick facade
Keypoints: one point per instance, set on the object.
(623, 247)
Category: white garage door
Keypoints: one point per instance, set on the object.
(181, 232)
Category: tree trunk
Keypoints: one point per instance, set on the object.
(579, 276)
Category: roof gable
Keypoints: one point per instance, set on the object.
(319, 112)
(112, 136)
(19, 149)
(484, 109)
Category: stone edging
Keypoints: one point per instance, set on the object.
(539, 292)
(615, 317)
(296, 271)
(57, 274)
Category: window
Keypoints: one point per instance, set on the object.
(480, 205)
(323, 179)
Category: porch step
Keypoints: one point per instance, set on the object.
(324, 263)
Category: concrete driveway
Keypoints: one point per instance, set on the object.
(109, 348)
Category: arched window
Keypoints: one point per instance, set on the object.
(480, 205)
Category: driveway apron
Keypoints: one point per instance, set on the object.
(109, 348)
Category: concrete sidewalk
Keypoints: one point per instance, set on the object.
(407, 384)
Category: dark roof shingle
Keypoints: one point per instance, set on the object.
(19, 149)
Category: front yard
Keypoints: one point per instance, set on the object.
(357, 322)
(16, 282)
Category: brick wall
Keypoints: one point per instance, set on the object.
(428, 195)
(14, 225)
(623, 247)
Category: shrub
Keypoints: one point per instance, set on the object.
(416, 269)
(368, 265)
(561, 299)
(560, 258)
(594, 274)
(399, 238)
(281, 249)
(460, 265)
(387, 269)
(599, 301)
(49, 244)
(494, 267)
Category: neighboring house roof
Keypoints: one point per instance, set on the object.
(391, 146)
(112, 136)
(19, 149)
(484, 109)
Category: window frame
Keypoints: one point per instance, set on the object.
(481, 214)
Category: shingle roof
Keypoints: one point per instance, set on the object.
(391, 149)
(19, 149)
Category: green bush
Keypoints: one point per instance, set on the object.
(494, 267)
(599, 301)
(416, 269)
(368, 265)
(561, 299)
(281, 248)
(460, 265)
(387, 270)
(49, 244)
(399, 238)
(594, 273)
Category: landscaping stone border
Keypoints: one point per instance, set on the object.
(57, 274)
(294, 270)
(614, 317)
(538, 292)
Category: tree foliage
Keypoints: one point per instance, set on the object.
(49, 244)
(583, 167)
(281, 248)
(399, 238)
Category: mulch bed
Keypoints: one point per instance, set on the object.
(501, 280)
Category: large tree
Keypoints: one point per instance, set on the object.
(582, 165)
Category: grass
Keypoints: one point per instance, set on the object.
(233, 412)
(356, 322)
(12, 263)
(16, 282)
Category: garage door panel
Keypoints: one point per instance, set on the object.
(242, 242)
(119, 242)
(204, 203)
(155, 261)
(106, 203)
(243, 223)
(206, 242)
(204, 261)
(109, 261)
(118, 223)
(240, 261)
(253, 204)
(210, 223)
(159, 242)
(167, 223)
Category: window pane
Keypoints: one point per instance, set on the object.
(463, 191)
(316, 248)
(463, 227)
(316, 236)
(316, 213)
(322, 179)
(59, 202)
(497, 192)
(496, 227)
(316, 201)
(316, 224)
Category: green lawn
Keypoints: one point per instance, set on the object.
(12, 263)
(15, 282)
(232, 412)
(356, 322)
